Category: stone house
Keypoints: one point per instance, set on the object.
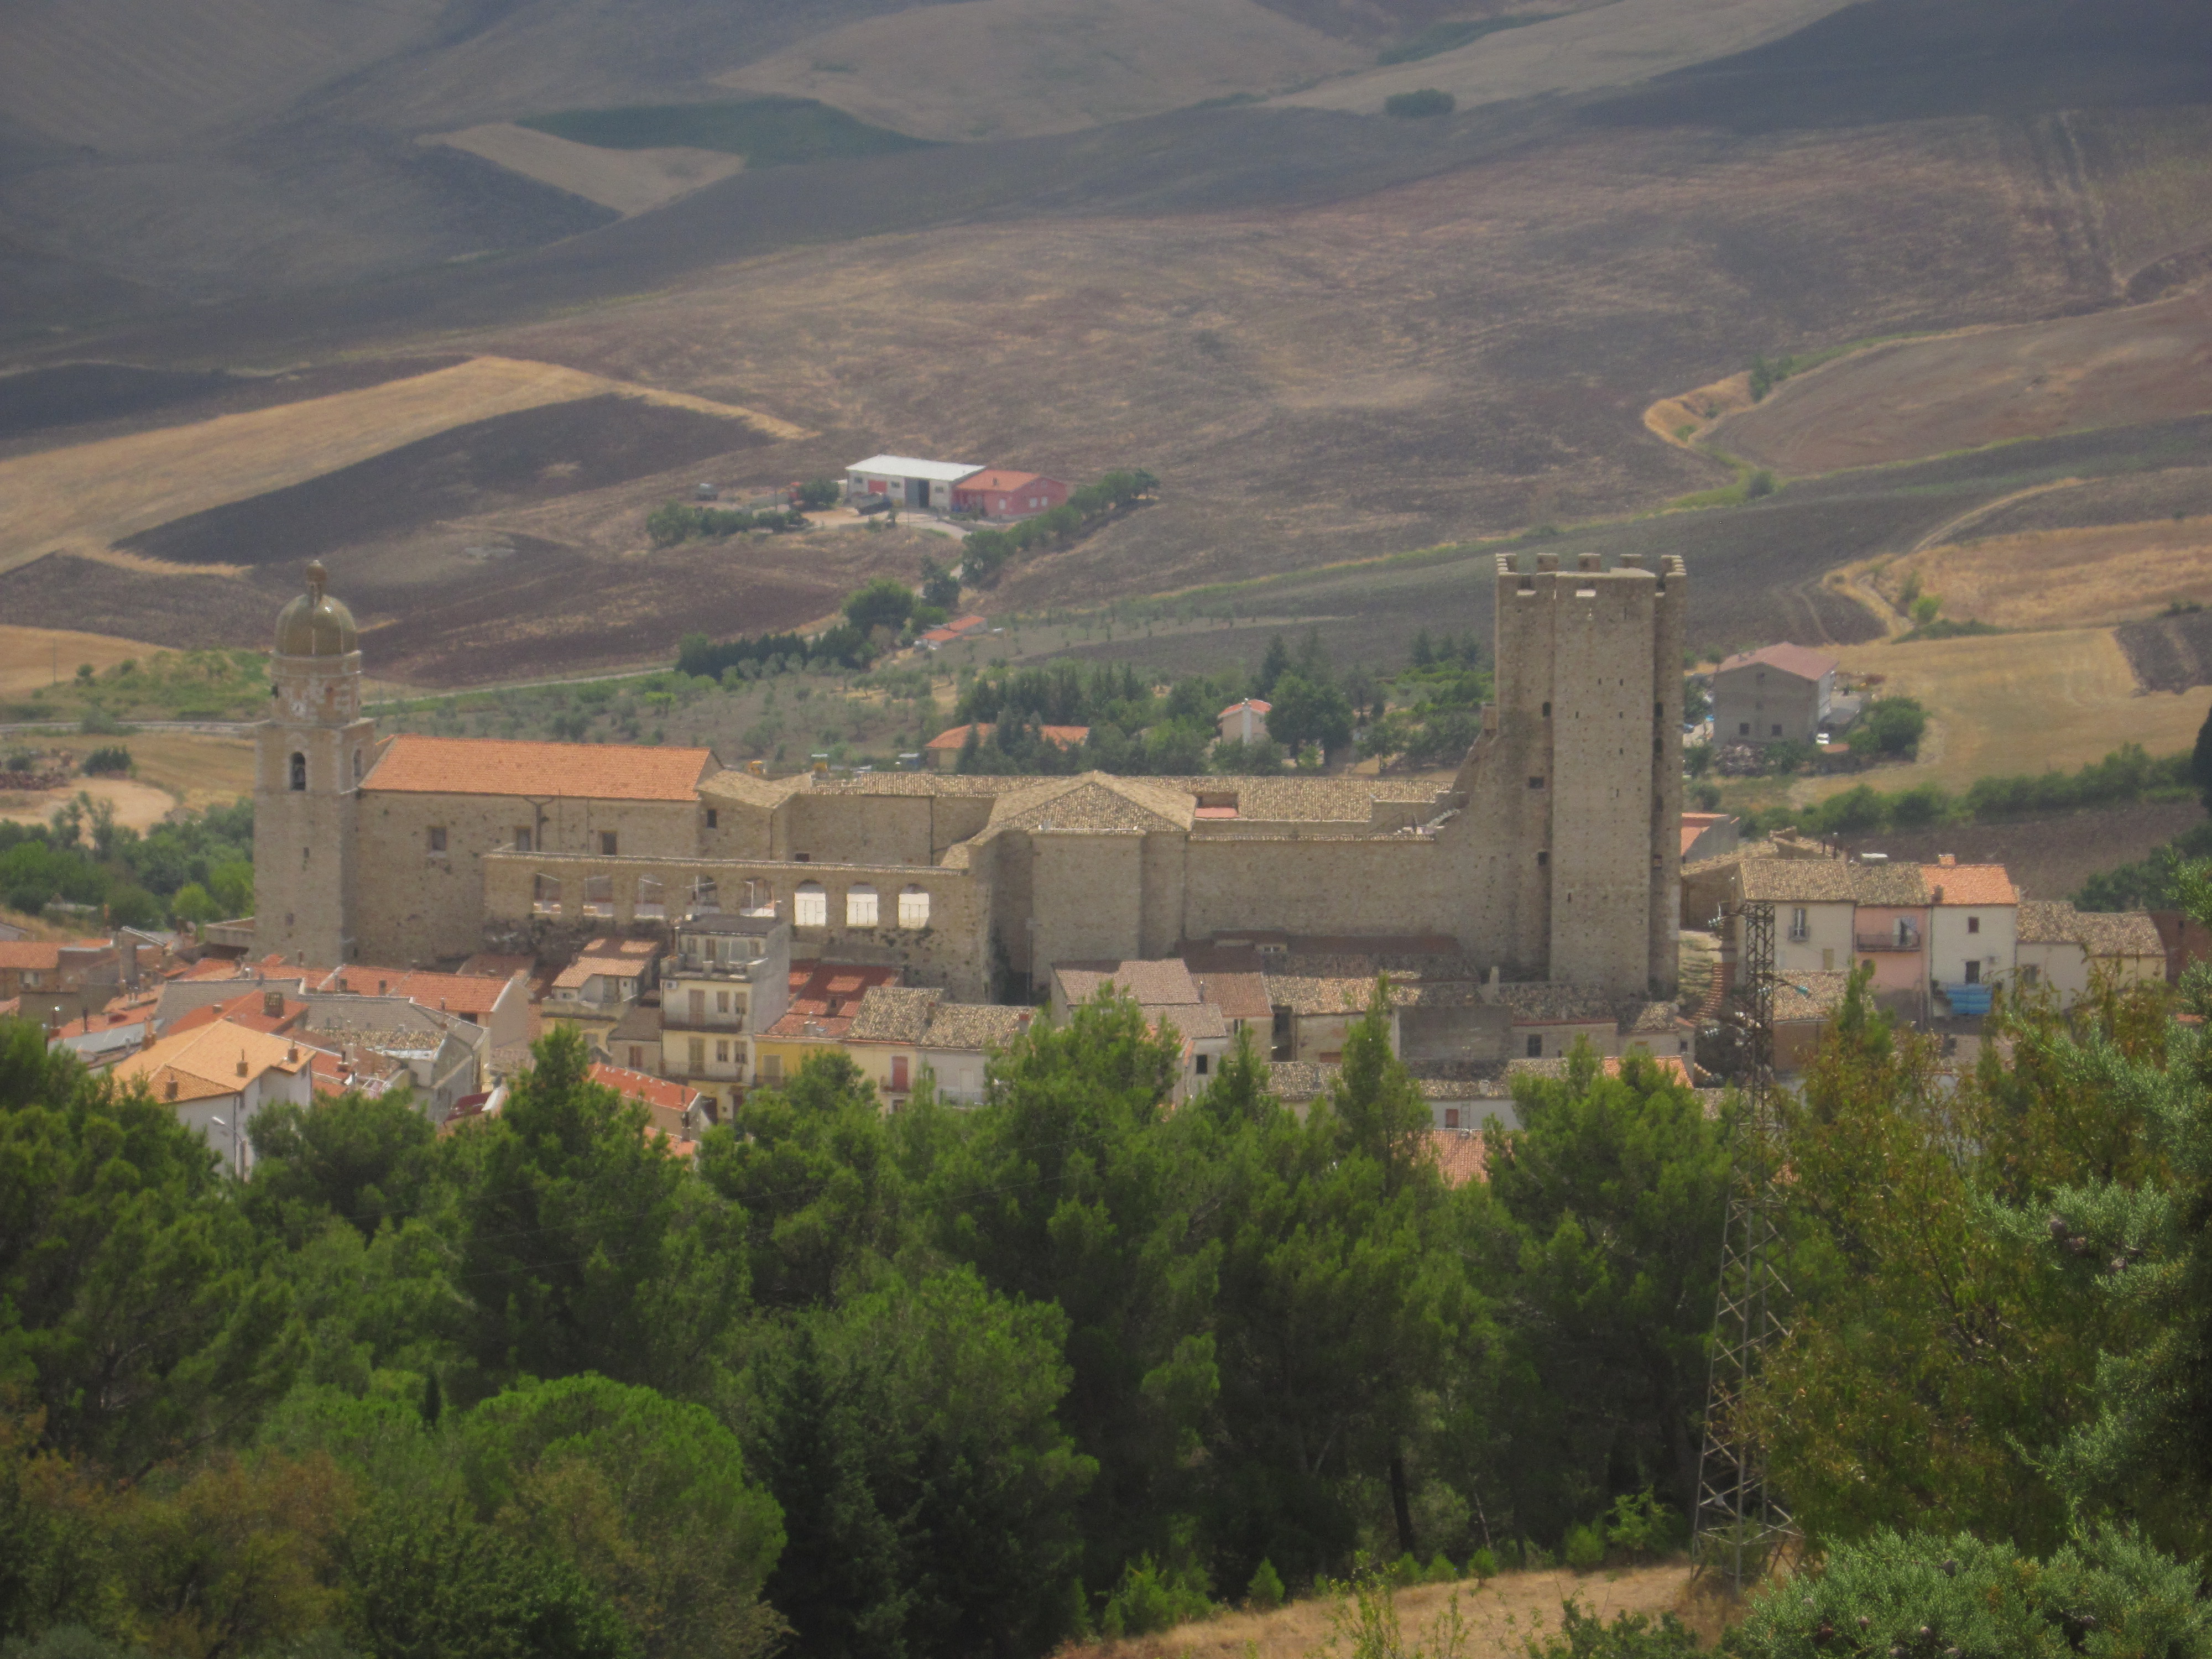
(682, 1114)
(218, 1077)
(1778, 694)
(2065, 951)
(1245, 722)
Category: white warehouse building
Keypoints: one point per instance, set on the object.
(907, 480)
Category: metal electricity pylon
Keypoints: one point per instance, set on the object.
(1741, 1521)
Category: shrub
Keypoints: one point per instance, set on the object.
(2111, 1594)
(1441, 1571)
(110, 761)
(1406, 1570)
(1151, 1599)
(1265, 1592)
(1894, 725)
(1414, 105)
(819, 493)
(1482, 1565)
(1630, 1635)
(1760, 482)
(1584, 1548)
(1640, 1525)
(1924, 608)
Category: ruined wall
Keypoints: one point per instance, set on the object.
(952, 952)
(418, 907)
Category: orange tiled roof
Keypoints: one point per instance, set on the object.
(1459, 1156)
(1801, 660)
(824, 989)
(34, 956)
(498, 766)
(458, 993)
(641, 1085)
(207, 1058)
(1067, 737)
(1968, 884)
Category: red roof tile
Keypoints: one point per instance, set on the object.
(497, 766)
(1803, 661)
(641, 1085)
(1968, 884)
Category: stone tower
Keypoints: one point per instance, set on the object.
(312, 752)
(1587, 746)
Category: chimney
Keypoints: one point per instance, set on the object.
(241, 1063)
(1947, 859)
(292, 1055)
(272, 1004)
(169, 1090)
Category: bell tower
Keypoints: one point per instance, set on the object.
(310, 755)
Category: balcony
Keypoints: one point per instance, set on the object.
(1908, 939)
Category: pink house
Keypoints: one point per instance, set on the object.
(998, 494)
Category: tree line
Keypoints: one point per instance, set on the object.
(199, 870)
(984, 553)
(956, 1382)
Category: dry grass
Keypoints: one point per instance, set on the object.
(1602, 45)
(137, 805)
(186, 767)
(1498, 1614)
(1918, 397)
(2017, 702)
(82, 498)
(1004, 69)
(2052, 578)
(1680, 419)
(31, 658)
(627, 180)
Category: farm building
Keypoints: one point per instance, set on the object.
(1781, 694)
(998, 494)
(1245, 722)
(907, 481)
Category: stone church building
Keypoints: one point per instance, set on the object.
(1553, 854)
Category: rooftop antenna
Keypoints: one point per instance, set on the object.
(1741, 1522)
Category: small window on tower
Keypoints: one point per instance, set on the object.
(1536, 1046)
(522, 838)
(299, 770)
(1548, 711)
(357, 766)
(1535, 783)
(606, 843)
(1543, 858)
(713, 819)
(437, 838)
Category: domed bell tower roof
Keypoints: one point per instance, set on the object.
(315, 624)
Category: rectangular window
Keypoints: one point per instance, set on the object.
(1451, 1117)
(1743, 728)
(636, 1058)
(698, 1047)
(899, 1080)
(522, 838)
(2029, 973)
(771, 1068)
(721, 1053)
(1974, 924)
(1536, 1046)
(606, 843)
(698, 1001)
(712, 817)
(1973, 973)
(1535, 783)
(722, 1002)
(1778, 730)
(438, 838)
(1199, 1064)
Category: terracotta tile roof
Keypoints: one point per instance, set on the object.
(457, 994)
(893, 1013)
(1306, 800)
(1163, 983)
(1797, 881)
(1803, 661)
(494, 964)
(990, 480)
(1306, 994)
(2046, 922)
(1554, 1004)
(499, 766)
(975, 1026)
(1239, 996)
(1257, 705)
(2118, 933)
(1809, 996)
(1066, 737)
(209, 1058)
(1892, 884)
(834, 989)
(1968, 884)
(251, 1010)
(1459, 1156)
(639, 1085)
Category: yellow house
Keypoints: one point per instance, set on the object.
(824, 997)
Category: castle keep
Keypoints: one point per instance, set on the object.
(1552, 853)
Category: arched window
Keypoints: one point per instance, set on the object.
(861, 906)
(706, 896)
(649, 902)
(357, 766)
(810, 906)
(299, 770)
(545, 896)
(914, 907)
(760, 898)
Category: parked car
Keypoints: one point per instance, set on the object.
(868, 504)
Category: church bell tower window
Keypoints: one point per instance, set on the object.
(299, 770)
